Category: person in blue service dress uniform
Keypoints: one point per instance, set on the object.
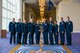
(56, 32)
(69, 29)
(51, 29)
(62, 31)
(31, 30)
(19, 31)
(12, 31)
(37, 32)
(24, 32)
(45, 31)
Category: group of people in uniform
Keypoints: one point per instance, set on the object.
(23, 30)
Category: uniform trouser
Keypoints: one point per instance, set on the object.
(45, 36)
(62, 37)
(31, 38)
(24, 39)
(51, 38)
(37, 35)
(56, 38)
(12, 37)
(19, 38)
(69, 38)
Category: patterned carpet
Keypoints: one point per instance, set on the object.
(53, 49)
(5, 47)
(75, 47)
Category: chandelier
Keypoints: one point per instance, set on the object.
(42, 6)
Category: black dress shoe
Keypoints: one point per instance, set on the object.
(56, 44)
(68, 44)
(61, 44)
(10, 43)
(14, 43)
(25, 43)
(52, 44)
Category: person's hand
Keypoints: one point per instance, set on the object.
(16, 32)
(56, 33)
(39, 30)
(42, 30)
(29, 33)
(50, 31)
(22, 33)
(62, 32)
(9, 32)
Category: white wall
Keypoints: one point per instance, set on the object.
(0, 16)
(71, 9)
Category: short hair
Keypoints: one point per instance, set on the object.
(61, 17)
(55, 20)
(68, 17)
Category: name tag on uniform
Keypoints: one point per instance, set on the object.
(62, 23)
(45, 24)
(15, 25)
(11, 24)
(69, 23)
(36, 25)
(30, 25)
(52, 23)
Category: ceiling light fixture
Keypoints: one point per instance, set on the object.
(42, 6)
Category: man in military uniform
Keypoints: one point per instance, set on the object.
(31, 29)
(12, 30)
(69, 29)
(24, 32)
(51, 29)
(56, 32)
(19, 31)
(62, 31)
(37, 32)
(45, 31)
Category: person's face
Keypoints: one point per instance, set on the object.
(19, 20)
(50, 19)
(13, 19)
(24, 21)
(44, 20)
(37, 22)
(55, 22)
(61, 18)
(68, 18)
(31, 20)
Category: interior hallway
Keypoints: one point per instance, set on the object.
(31, 9)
